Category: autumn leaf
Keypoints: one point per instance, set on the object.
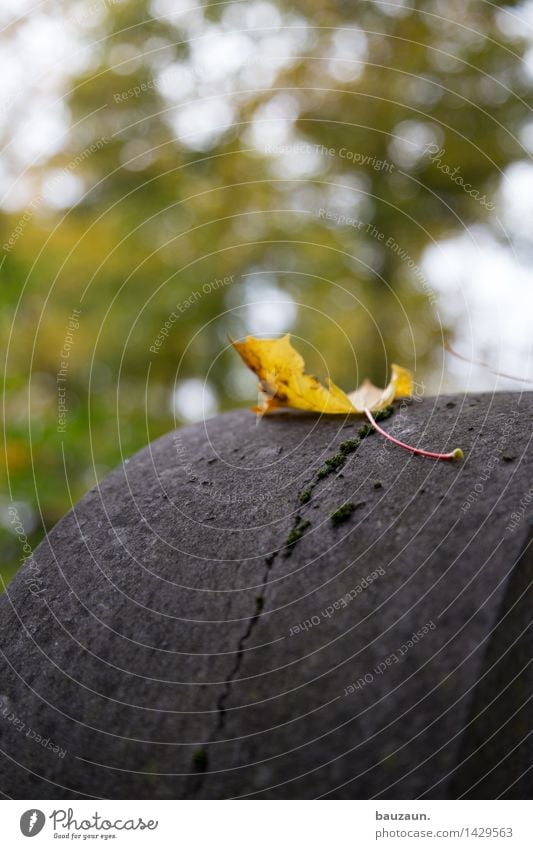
(284, 383)
(368, 396)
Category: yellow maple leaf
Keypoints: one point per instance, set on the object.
(283, 382)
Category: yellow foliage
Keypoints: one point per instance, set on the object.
(283, 382)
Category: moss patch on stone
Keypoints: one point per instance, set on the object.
(199, 760)
(385, 413)
(335, 462)
(349, 445)
(342, 513)
(296, 532)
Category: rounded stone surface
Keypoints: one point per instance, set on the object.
(284, 608)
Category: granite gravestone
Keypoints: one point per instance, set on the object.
(283, 609)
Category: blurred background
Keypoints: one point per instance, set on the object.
(174, 173)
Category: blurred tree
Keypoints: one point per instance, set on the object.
(240, 167)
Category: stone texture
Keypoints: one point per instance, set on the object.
(154, 635)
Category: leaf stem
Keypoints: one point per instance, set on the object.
(456, 454)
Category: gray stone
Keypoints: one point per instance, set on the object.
(168, 643)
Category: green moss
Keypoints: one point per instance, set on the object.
(342, 513)
(349, 445)
(305, 495)
(365, 430)
(199, 760)
(335, 462)
(297, 532)
(379, 415)
(332, 464)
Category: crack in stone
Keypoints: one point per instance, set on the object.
(222, 699)
(332, 464)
